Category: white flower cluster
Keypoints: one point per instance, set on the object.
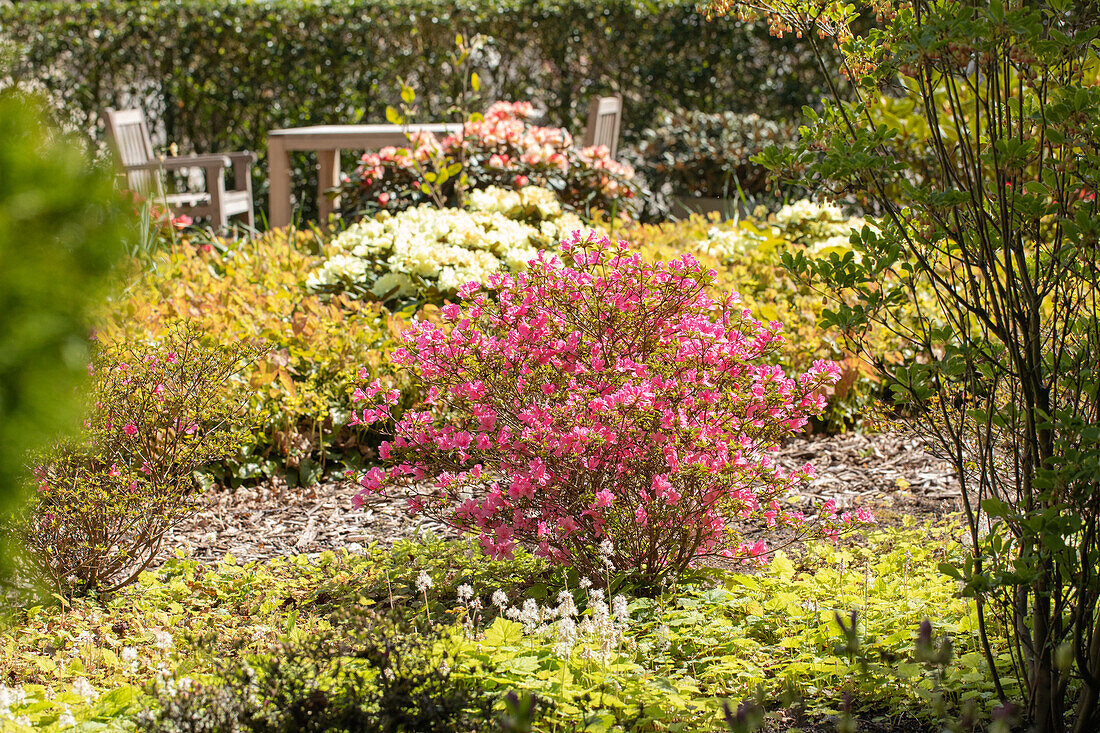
(14, 698)
(598, 632)
(821, 227)
(724, 243)
(806, 210)
(11, 697)
(499, 229)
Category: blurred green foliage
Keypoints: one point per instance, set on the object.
(60, 230)
(219, 74)
(692, 153)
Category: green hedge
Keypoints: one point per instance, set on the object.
(217, 74)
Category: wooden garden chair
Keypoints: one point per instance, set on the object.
(129, 136)
(605, 115)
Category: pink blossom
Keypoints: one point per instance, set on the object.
(604, 498)
(864, 516)
(592, 381)
(372, 480)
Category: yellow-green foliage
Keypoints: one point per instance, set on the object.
(747, 256)
(298, 392)
(683, 652)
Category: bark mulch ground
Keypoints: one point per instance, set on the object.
(888, 473)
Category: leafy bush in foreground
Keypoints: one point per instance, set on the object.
(60, 231)
(603, 409)
(156, 414)
(362, 673)
(1001, 227)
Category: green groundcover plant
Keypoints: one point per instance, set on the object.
(1001, 226)
(657, 658)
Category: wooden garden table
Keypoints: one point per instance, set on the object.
(327, 141)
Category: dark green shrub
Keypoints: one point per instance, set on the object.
(104, 501)
(693, 153)
(218, 74)
(60, 230)
(362, 673)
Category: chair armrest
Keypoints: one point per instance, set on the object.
(182, 161)
(242, 169)
(245, 157)
(198, 161)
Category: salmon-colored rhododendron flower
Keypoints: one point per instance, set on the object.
(600, 400)
(501, 148)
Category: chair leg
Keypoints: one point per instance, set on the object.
(328, 177)
(216, 189)
(244, 183)
(278, 174)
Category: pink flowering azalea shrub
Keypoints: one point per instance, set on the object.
(102, 502)
(602, 410)
(500, 148)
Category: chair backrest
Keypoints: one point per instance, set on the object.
(605, 114)
(129, 136)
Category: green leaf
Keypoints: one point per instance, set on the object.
(950, 570)
(504, 633)
(996, 508)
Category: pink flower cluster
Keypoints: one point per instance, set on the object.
(600, 400)
(499, 148)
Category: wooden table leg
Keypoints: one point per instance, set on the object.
(328, 162)
(278, 175)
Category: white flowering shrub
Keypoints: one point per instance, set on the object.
(819, 228)
(726, 243)
(426, 251)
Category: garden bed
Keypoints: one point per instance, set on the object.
(885, 472)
